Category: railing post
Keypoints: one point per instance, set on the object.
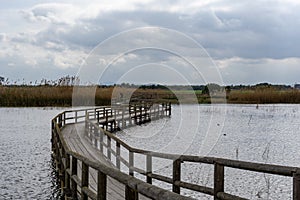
(53, 131)
(101, 140)
(58, 158)
(84, 180)
(131, 163)
(108, 147)
(74, 172)
(218, 179)
(62, 166)
(296, 185)
(96, 136)
(60, 121)
(135, 116)
(123, 120)
(176, 175)
(149, 168)
(67, 176)
(64, 119)
(118, 150)
(106, 119)
(76, 116)
(102, 185)
(131, 194)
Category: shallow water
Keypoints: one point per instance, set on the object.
(27, 170)
(267, 134)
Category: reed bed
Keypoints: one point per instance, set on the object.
(264, 96)
(26, 96)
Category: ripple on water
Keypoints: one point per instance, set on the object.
(268, 134)
(27, 170)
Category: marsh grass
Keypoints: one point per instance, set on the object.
(263, 96)
(26, 96)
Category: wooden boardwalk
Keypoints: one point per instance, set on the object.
(89, 158)
(77, 142)
(72, 136)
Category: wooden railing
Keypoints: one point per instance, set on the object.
(111, 147)
(123, 116)
(74, 184)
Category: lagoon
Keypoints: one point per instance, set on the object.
(267, 134)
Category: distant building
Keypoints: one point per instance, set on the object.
(297, 86)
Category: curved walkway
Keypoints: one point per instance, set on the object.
(94, 175)
(78, 142)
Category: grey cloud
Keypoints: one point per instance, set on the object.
(241, 71)
(249, 30)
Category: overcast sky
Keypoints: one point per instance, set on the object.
(249, 41)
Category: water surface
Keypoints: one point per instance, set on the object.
(264, 134)
(27, 170)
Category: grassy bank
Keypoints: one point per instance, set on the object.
(13, 96)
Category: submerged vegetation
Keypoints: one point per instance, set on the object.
(59, 93)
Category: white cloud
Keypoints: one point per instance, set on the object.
(56, 13)
(237, 34)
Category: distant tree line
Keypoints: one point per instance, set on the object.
(210, 87)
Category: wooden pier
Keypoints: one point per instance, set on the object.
(89, 158)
